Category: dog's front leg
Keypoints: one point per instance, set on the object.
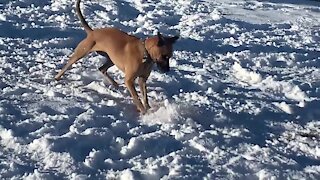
(143, 89)
(130, 85)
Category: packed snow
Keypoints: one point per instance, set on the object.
(241, 100)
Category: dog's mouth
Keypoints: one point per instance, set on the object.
(163, 64)
(163, 67)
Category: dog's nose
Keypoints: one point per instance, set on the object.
(163, 67)
(166, 69)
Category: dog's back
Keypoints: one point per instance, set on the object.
(117, 44)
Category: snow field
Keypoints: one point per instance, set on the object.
(241, 100)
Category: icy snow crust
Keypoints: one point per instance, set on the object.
(241, 100)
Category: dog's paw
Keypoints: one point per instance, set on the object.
(147, 107)
(142, 111)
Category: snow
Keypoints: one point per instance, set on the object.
(241, 100)
(2, 17)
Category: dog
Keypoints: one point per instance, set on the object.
(133, 56)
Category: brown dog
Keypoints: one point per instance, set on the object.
(131, 55)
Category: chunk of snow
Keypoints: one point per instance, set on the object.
(246, 76)
(284, 107)
(50, 93)
(126, 175)
(126, 149)
(3, 17)
(161, 114)
(5, 134)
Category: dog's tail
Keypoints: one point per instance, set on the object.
(86, 26)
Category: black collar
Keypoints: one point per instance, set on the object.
(146, 56)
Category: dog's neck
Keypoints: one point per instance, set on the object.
(149, 45)
(146, 56)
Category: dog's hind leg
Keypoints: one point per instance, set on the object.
(82, 49)
(103, 69)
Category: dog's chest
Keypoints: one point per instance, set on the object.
(147, 63)
(146, 67)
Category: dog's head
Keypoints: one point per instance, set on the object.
(162, 51)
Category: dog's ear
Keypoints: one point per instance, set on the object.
(172, 40)
(161, 41)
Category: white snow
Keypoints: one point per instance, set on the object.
(126, 175)
(3, 17)
(246, 76)
(284, 106)
(241, 100)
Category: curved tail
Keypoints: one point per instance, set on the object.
(84, 23)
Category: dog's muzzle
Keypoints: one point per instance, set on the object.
(163, 65)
